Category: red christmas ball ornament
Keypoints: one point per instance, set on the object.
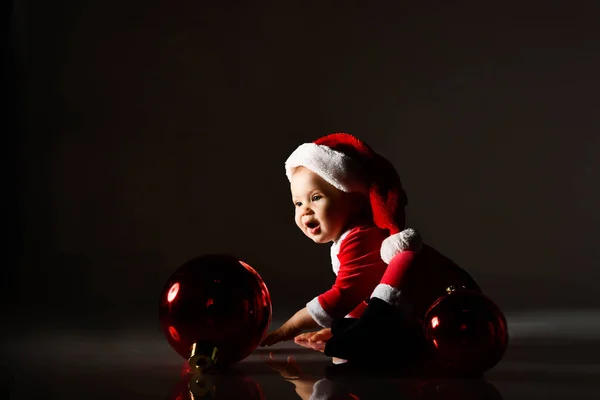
(214, 310)
(467, 333)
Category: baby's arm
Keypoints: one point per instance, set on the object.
(293, 326)
(360, 271)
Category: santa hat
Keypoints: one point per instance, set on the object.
(351, 166)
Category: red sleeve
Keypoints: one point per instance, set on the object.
(361, 269)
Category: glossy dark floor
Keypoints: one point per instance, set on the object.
(553, 357)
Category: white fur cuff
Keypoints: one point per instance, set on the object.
(316, 311)
(408, 239)
(387, 293)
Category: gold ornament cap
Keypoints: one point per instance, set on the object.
(202, 356)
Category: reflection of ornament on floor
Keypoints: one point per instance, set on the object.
(225, 383)
(201, 387)
(466, 332)
(215, 310)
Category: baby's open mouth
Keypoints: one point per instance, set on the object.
(313, 227)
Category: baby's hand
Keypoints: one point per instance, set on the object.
(314, 337)
(320, 346)
(278, 335)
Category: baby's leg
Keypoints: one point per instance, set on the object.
(339, 325)
(387, 324)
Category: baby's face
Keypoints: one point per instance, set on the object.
(322, 212)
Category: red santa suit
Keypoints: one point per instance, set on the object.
(419, 278)
(356, 260)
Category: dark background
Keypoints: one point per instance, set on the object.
(144, 133)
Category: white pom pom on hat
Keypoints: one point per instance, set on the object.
(406, 240)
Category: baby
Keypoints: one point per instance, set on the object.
(334, 183)
(346, 194)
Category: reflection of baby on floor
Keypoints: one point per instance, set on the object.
(307, 387)
(353, 386)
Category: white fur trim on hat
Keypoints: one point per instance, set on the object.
(316, 311)
(408, 239)
(333, 166)
(387, 293)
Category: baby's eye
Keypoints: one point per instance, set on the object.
(297, 204)
(316, 197)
